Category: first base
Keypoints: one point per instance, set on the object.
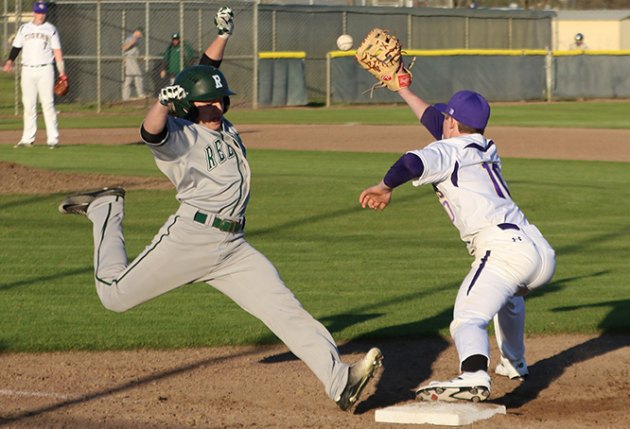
(438, 413)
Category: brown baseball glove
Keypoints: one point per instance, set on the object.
(62, 86)
(380, 54)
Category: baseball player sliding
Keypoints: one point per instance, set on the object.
(39, 41)
(511, 257)
(203, 155)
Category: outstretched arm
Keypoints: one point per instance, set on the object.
(155, 120)
(214, 51)
(153, 128)
(224, 21)
(417, 105)
(407, 167)
(429, 116)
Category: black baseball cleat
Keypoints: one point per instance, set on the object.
(78, 203)
(358, 376)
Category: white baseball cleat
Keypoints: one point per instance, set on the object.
(358, 376)
(469, 386)
(513, 370)
(78, 203)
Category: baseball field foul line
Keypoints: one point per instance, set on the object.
(6, 392)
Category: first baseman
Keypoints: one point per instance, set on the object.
(40, 45)
(203, 155)
(511, 257)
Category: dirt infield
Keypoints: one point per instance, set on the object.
(577, 381)
(542, 143)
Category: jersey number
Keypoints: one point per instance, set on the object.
(497, 181)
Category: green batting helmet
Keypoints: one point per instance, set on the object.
(201, 83)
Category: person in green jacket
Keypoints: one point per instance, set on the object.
(172, 60)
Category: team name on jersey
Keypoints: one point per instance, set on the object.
(217, 153)
(34, 36)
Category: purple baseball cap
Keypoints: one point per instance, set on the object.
(40, 7)
(468, 107)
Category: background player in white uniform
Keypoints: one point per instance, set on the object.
(204, 157)
(40, 45)
(511, 256)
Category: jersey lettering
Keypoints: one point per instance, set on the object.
(218, 144)
(210, 158)
(216, 154)
(445, 204)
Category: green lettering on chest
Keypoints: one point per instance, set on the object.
(217, 153)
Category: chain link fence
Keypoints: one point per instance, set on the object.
(93, 31)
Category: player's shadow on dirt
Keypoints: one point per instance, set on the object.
(545, 371)
(23, 417)
(409, 349)
(407, 360)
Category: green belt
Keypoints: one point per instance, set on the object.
(224, 225)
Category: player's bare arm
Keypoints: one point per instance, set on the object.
(216, 48)
(61, 68)
(415, 103)
(224, 21)
(376, 197)
(155, 120)
(408, 167)
(8, 66)
(137, 35)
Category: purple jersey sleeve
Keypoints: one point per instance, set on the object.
(433, 120)
(408, 166)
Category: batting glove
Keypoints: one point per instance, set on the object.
(224, 20)
(171, 93)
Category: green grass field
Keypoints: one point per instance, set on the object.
(610, 114)
(363, 274)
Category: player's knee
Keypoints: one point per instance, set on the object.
(464, 323)
(116, 307)
(111, 303)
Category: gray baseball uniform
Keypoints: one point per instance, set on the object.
(133, 72)
(204, 242)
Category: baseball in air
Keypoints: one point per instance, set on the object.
(344, 42)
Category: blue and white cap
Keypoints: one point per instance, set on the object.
(468, 108)
(40, 7)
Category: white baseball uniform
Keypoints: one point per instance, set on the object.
(38, 78)
(204, 242)
(511, 255)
